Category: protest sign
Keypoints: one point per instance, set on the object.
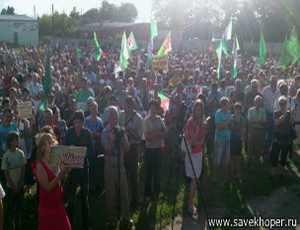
(160, 62)
(24, 109)
(67, 156)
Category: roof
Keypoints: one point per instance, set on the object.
(15, 18)
(106, 25)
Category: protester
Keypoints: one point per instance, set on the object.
(213, 102)
(133, 124)
(13, 165)
(222, 139)
(283, 120)
(195, 133)
(154, 131)
(115, 144)
(51, 210)
(256, 119)
(269, 94)
(79, 136)
(297, 119)
(236, 141)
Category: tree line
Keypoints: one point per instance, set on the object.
(203, 19)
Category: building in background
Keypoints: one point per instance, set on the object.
(19, 29)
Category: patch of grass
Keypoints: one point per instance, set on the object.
(173, 199)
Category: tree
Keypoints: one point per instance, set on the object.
(8, 11)
(208, 18)
(127, 12)
(108, 11)
(45, 23)
(91, 16)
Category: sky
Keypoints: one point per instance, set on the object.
(45, 7)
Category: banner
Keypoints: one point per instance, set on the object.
(24, 109)
(160, 62)
(67, 156)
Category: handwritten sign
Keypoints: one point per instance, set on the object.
(25, 109)
(160, 62)
(67, 156)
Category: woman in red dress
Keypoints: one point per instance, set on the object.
(51, 210)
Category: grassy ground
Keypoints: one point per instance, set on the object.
(157, 214)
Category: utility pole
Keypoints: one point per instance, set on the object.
(34, 12)
(52, 19)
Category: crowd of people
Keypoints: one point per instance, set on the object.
(118, 114)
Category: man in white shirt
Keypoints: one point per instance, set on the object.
(270, 93)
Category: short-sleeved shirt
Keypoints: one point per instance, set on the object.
(151, 126)
(113, 158)
(3, 134)
(282, 131)
(13, 162)
(83, 96)
(34, 88)
(269, 97)
(97, 127)
(254, 114)
(222, 134)
(135, 123)
(249, 98)
(192, 127)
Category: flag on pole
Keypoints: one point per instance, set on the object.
(228, 31)
(262, 49)
(219, 49)
(149, 54)
(164, 101)
(47, 83)
(293, 46)
(153, 28)
(284, 58)
(234, 57)
(237, 44)
(131, 43)
(78, 53)
(124, 54)
(98, 51)
(166, 47)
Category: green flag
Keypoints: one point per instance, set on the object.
(234, 57)
(78, 53)
(131, 43)
(249, 51)
(219, 50)
(284, 58)
(124, 54)
(47, 83)
(228, 31)
(153, 28)
(293, 46)
(237, 44)
(98, 50)
(166, 47)
(262, 49)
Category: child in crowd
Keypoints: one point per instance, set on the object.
(13, 164)
(236, 140)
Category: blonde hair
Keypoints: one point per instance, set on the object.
(41, 140)
(198, 102)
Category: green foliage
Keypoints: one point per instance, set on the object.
(10, 10)
(205, 19)
(63, 25)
